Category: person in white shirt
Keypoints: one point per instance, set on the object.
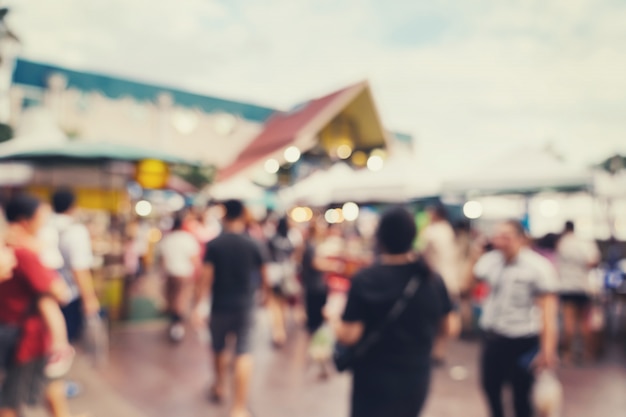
(440, 251)
(75, 248)
(575, 257)
(519, 317)
(180, 253)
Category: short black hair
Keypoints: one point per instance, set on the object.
(63, 200)
(234, 209)
(396, 231)
(282, 228)
(569, 226)
(21, 207)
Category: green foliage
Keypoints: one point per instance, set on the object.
(6, 132)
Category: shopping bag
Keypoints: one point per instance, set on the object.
(322, 344)
(96, 339)
(547, 394)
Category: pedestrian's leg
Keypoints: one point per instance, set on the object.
(56, 399)
(220, 365)
(522, 381)
(584, 321)
(279, 333)
(493, 376)
(569, 330)
(220, 326)
(243, 373)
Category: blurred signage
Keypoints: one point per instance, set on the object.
(152, 174)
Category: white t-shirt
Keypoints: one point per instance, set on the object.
(510, 309)
(441, 253)
(178, 249)
(75, 248)
(573, 258)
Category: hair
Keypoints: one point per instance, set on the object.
(21, 207)
(548, 241)
(63, 200)
(396, 231)
(282, 228)
(234, 210)
(178, 223)
(517, 226)
(440, 211)
(569, 226)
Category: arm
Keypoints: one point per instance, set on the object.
(204, 284)
(60, 291)
(451, 325)
(84, 281)
(549, 335)
(348, 333)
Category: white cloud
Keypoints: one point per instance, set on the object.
(496, 74)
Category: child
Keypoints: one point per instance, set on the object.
(61, 354)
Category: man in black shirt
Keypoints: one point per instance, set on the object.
(231, 262)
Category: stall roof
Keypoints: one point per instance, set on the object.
(525, 171)
(36, 74)
(301, 125)
(81, 151)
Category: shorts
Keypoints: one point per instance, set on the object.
(239, 324)
(74, 319)
(580, 300)
(24, 384)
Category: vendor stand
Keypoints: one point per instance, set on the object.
(108, 180)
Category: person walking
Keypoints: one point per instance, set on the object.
(283, 281)
(180, 253)
(231, 262)
(75, 247)
(440, 251)
(575, 257)
(519, 318)
(392, 376)
(29, 304)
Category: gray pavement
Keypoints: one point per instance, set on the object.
(147, 376)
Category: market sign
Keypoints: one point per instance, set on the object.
(152, 173)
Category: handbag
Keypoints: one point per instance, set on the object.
(345, 357)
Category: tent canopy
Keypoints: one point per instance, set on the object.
(525, 171)
(82, 151)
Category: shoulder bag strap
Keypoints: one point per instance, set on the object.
(396, 311)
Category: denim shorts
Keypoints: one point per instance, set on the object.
(239, 325)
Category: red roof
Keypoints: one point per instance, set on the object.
(282, 129)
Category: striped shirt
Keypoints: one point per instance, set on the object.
(510, 309)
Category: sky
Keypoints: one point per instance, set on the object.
(470, 80)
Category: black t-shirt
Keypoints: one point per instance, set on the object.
(312, 279)
(237, 259)
(408, 341)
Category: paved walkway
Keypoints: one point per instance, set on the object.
(149, 377)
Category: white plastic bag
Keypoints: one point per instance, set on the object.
(322, 344)
(547, 395)
(96, 340)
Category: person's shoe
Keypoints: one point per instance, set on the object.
(59, 363)
(177, 333)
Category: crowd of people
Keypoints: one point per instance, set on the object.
(408, 294)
